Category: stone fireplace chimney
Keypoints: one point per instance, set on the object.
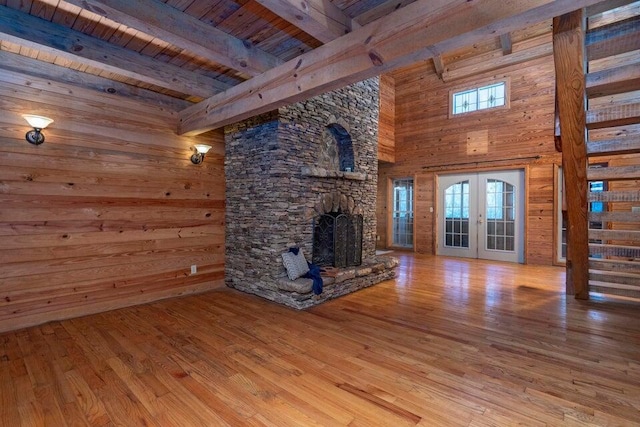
(285, 168)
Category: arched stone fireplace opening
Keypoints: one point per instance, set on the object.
(337, 232)
(342, 140)
(337, 147)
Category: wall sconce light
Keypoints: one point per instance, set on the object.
(201, 151)
(35, 136)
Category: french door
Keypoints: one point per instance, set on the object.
(481, 215)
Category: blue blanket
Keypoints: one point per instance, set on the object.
(313, 273)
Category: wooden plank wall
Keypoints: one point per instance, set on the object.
(424, 203)
(381, 213)
(108, 212)
(386, 123)
(386, 150)
(428, 142)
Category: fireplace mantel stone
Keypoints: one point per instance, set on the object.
(317, 172)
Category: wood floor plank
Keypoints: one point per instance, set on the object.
(91, 407)
(449, 342)
(9, 414)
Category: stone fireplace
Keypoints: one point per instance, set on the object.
(310, 164)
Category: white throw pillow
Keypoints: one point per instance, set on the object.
(296, 265)
(303, 267)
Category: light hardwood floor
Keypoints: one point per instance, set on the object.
(449, 342)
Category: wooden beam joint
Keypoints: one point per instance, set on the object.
(438, 63)
(506, 43)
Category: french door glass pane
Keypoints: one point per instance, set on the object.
(403, 212)
(500, 216)
(456, 208)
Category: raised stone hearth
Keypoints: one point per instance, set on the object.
(339, 281)
(286, 167)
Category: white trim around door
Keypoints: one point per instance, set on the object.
(481, 215)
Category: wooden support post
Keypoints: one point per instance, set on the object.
(568, 48)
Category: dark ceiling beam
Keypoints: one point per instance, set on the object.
(496, 60)
(416, 32)
(321, 19)
(184, 31)
(29, 31)
(381, 10)
(35, 68)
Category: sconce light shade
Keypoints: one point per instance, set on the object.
(38, 123)
(201, 151)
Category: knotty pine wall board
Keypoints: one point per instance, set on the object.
(428, 142)
(424, 202)
(382, 200)
(540, 214)
(108, 212)
(386, 123)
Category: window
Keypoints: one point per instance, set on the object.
(561, 220)
(596, 207)
(403, 212)
(479, 98)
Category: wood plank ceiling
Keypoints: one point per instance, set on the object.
(221, 61)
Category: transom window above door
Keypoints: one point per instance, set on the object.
(468, 100)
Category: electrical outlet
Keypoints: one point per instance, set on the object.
(194, 269)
